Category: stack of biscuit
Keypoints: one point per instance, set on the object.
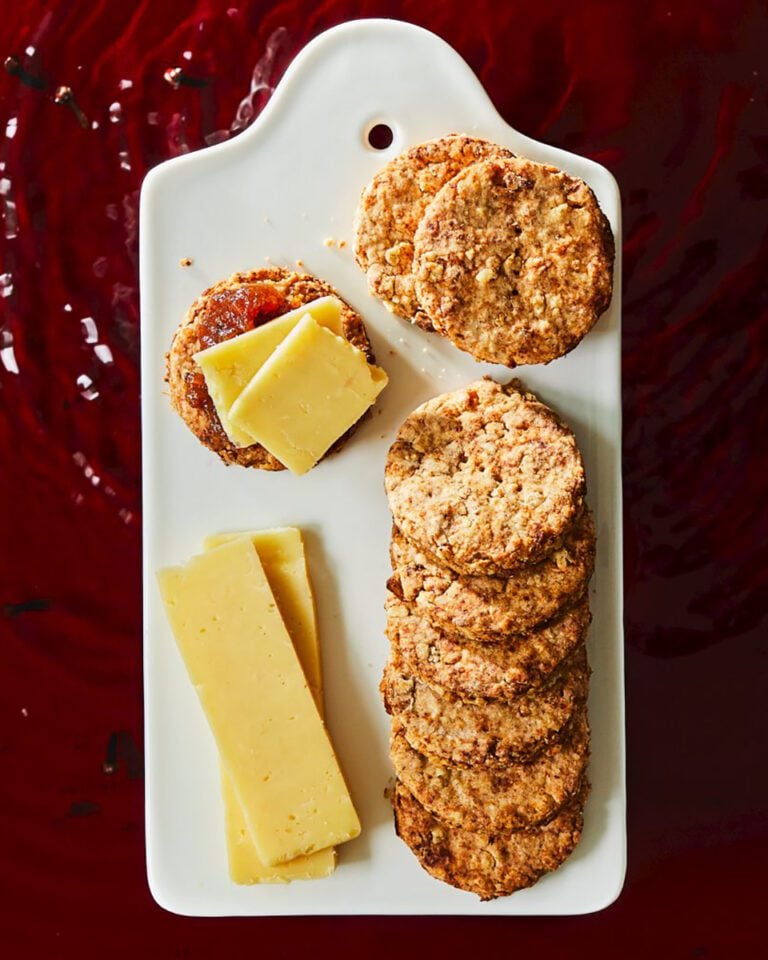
(487, 616)
(512, 260)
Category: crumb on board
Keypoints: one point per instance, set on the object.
(299, 263)
(185, 262)
(333, 242)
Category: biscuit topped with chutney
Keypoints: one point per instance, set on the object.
(226, 310)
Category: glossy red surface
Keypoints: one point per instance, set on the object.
(672, 97)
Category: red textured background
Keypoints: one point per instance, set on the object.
(672, 98)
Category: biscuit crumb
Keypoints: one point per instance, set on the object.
(342, 244)
(329, 242)
(299, 263)
(185, 262)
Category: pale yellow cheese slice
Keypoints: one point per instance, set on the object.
(229, 366)
(247, 867)
(271, 739)
(281, 552)
(312, 389)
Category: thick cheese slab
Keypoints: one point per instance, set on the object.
(281, 552)
(312, 389)
(229, 366)
(272, 741)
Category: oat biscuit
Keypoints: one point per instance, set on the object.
(225, 310)
(490, 866)
(490, 799)
(392, 206)
(493, 732)
(514, 261)
(492, 608)
(485, 478)
(477, 669)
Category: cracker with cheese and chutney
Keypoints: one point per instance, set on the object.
(272, 369)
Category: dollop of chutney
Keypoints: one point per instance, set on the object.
(227, 314)
(237, 310)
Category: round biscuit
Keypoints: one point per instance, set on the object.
(485, 478)
(494, 732)
(490, 799)
(474, 669)
(489, 866)
(225, 310)
(391, 207)
(492, 608)
(514, 261)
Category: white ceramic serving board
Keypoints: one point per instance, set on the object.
(273, 195)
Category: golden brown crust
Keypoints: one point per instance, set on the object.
(490, 866)
(472, 669)
(392, 206)
(227, 309)
(495, 732)
(485, 478)
(492, 608)
(514, 261)
(490, 799)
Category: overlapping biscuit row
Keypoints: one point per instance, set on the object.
(512, 260)
(488, 675)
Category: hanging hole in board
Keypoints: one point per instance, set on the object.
(380, 136)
